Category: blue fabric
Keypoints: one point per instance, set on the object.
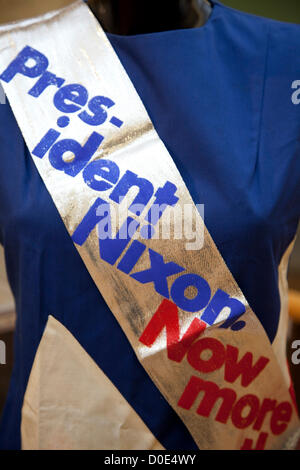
(220, 99)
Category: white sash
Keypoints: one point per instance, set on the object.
(214, 365)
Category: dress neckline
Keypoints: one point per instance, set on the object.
(216, 8)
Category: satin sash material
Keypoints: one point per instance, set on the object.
(104, 166)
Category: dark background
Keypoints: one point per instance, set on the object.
(282, 10)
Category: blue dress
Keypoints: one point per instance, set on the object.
(220, 97)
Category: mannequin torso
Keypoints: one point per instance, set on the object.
(130, 17)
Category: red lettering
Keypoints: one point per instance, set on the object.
(166, 316)
(267, 405)
(211, 394)
(281, 417)
(260, 445)
(240, 421)
(248, 372)
(218, 355)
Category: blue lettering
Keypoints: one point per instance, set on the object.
(131, 256)
(110, 248)
(190, 304)
(82, 154)
(97, 105)
(75, 93)
(45, 143)
(158, 273)
(129, 180)
(163, 197)
(219, 301)
(18, 65)
(105, 169)
(43, 82)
